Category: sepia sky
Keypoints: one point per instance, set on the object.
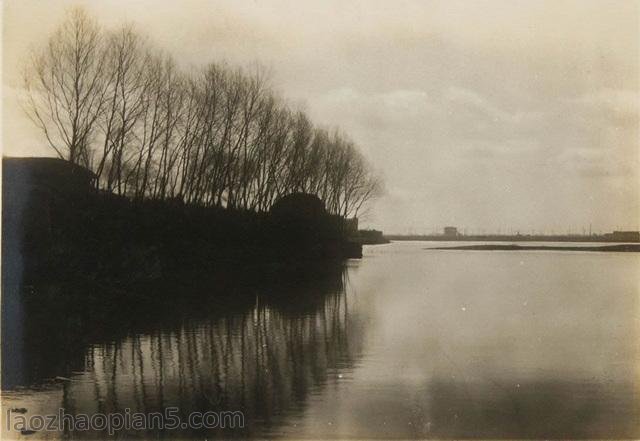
(489, 116)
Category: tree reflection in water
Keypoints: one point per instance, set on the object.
(262, 348)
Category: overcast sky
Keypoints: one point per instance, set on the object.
(489, 116)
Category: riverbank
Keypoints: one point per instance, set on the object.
(370, 237)
(55, 225)
(615, 237)
(623, 248)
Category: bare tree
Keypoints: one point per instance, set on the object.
(66, 87)
(216, 136)
(127, 95)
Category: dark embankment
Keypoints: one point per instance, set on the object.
(55, 225)
(605, 248)
(370, 237)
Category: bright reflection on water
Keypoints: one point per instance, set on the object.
(407, 343)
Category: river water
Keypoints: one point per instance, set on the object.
(405, 343)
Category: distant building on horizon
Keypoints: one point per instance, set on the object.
(451, 231)
(351, 225)
(624, 236)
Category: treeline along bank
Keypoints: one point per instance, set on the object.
(57, 224)
(185, 163)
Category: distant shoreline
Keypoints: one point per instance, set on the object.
(511, 238)
(623, 248)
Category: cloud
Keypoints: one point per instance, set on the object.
(622, 101)
(618, 107)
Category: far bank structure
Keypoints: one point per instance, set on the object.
(56, 221)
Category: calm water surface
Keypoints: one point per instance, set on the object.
(406, 343)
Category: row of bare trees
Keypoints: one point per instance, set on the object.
(213, 136)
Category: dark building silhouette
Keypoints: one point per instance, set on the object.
(450, 231)
(624, 236)
(47, 174)
(371, 237)
(300, 206)
(303, 226)
(351, 226)
(32, 189)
